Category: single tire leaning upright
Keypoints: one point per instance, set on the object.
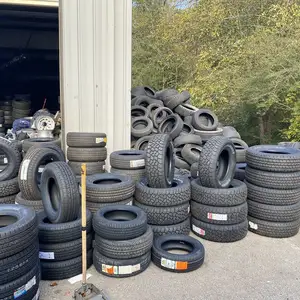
(60, 194)
(160, 164)
(217, 163)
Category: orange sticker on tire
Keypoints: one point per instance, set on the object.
(181, 265)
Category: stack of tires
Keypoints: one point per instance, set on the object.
(218, 206)
(60, 224)
(273, 180)
(128, 162)
(108, 189)
(19, 253)
(6, 106)
(89, 148)
(165, 199)
(123, 241)
(21, 108)
(11, 158)
(31, 169)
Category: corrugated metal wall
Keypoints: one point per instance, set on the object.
(95, 59)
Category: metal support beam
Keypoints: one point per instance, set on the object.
(95, 68)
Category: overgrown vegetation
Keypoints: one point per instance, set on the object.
(240, 58)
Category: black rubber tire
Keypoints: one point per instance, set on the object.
(221, 215)
(220, 233)
(180, 228)
(28, 175)
(64, 232)
(13, 160)
(142, 143)
(272, 196)
(273, 229)
(240, 171)
(205, 119)
(151, 109)
(17, 289)
(1, 114)
(230, 132)
(173, 101)
(51, 146)
(136, 175)
(36, 205)
(92, 168)
(274, 213)
(179, 263)
(179, 193)
(191, 153)
(160, 162)
(180, 163)
(28, 143)
(128, 159)
(240, 148)
(21, 104)
(218, 151)
(19, 264)
(187, 129)
(206, 135)
(185, 110)
(111, 187)
(141, 126)
(188, 120)
(187, 139)
(120, 222)
(236, 194)
(86, 154)
(290, 144)
(160, 115)
(171, 125)
(22, 223)
(164, 94)
(9, 187)
(124, 249)
(146, 101)
(113, 267)
(195, 170)
(143, 90)
(86, 139)
(60, 194)
(64, 269)
(158, 215)
(284, 181)
(273, 158)
(64, 251)
(94, 207)
(8, 199)
(139, 111)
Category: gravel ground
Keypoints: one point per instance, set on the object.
(254, 268)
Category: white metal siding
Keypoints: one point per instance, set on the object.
(95, 59)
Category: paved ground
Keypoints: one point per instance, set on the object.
(256, 268)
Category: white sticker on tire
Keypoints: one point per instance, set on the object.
(198, 230)
(137, 163)
(218, 217)
(26, 287)
(103, 167)
(24, 169)
(0, 125)
(253, 225)
(167, 263)
(46, 255)
(120, 270)
(41, 169)
(5, 160)
(100, 140)
(129, 203)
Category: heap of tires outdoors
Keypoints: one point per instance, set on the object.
(186, 172)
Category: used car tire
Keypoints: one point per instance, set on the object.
(179, 228)
(139, 111)
(206, 135)
(205, 119)
(185, 109)
(60, 193)
(178, 263)
(128, 159)
(217, 163)
(92, 168)
(86, 139)
(86, 154)
(191, 153)
(9, 187)
(239, 173)
(28, 143)
(180, 163)
(8, 199)
(36, 205)
(160, 115)
(240, 148)
(145, 129)
(120, 222)
(182, 140)
(171, 125)
(94, 206)
(135, 174)
(160, 162)
(142, 143)
(230, 132)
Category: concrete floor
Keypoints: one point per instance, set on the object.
(255, 268)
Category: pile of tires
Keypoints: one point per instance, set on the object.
(219, 206)
(273, 180)
(128, 162)
(60, 224)
(10, 161)
(108, 189)
(21, 108)
(163, 197)
(19, 253)
(6, 107)
(123, 241)
(88, 148)
(170, 112)
(37, 157)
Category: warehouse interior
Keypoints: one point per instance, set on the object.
(29, 55)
